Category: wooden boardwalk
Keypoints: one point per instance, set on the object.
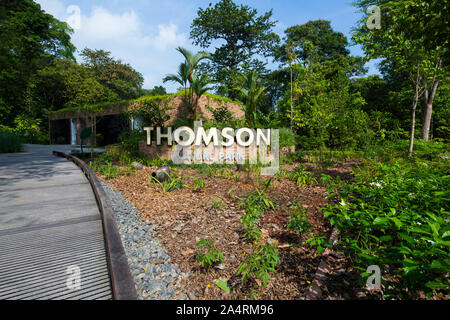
(49, 222)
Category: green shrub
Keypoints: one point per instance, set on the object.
(211, 256)
(396, 216)
(260, 264)
(172, 184)
(302, 177)
(287, 138)
(106, 168)
(10, 143)
(298, 221)
(129, 140)
(199, 184)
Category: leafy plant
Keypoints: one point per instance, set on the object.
(397, 216)
(218, 204)
(172, 184)
(211, 256)
(223, 284)
(199, 184)
(302, 177)
(298, 221)
(260, 264)
(106, 168)
(250, 221)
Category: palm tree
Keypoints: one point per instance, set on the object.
(192, 61)
(199, 87)
(182, 77)
(251, 91)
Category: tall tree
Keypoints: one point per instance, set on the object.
(407, 49)
(245, 33)
(68, 84)
(329, 43)
(29, 40)
(118, 76)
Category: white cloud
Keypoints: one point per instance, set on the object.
(102, 25)
(149, 48)
(53, 7)
(168, 37)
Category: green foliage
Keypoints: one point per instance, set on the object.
(199, 184)
(113, 74)
(245, 33)
(129, 140)
(156, 91)
(29, 40)
(250, 221)
(302, 177)
(330, 44)
(106, 168)
(29, 129)
(223, 284)
(151, 113)
(260, 264)
(287, 138)
(218, 204)
(211, 256)
(173, 183)
(10, 143)
(396, 216)
(298, 220)
(250, 91)
(221, 114)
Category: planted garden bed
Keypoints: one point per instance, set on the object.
(215, 205)
(242, 236)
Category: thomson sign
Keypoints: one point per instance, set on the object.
(220, 146)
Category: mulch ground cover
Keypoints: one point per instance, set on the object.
(182, 217)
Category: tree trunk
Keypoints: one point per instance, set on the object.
(413, 121)
(292, 109)
(427, 121)
(416, 82)
(429, 95)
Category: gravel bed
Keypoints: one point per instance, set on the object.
(155, 277)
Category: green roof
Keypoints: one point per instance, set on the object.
(100, 106)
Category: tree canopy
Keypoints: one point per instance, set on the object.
(30, 39)
(246, 35)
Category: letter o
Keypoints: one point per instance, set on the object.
(178, 134)
(239, 137)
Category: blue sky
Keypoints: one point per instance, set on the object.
(145, 33)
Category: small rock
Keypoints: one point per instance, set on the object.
(137, 165)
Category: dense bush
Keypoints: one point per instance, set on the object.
(129, 140)
(287, 138)
(396, 216)
(9, 143)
